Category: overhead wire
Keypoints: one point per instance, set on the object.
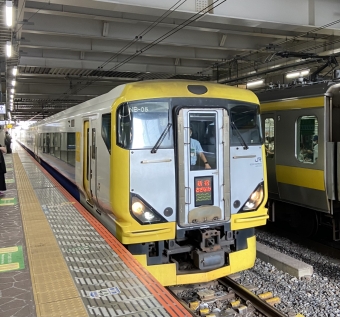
(147, 30)
(23, 23)
(259, 60)
(185, 23)
(144, 32)
(23, 6)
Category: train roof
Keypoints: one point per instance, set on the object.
(306, 91)
(166, 88)
(181, 88)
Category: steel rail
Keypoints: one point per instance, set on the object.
(258, 303)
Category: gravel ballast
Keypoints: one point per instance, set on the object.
(315, 296)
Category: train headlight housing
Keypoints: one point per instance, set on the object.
(255, 199)
(143, 212)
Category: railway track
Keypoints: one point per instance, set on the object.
(225, 298)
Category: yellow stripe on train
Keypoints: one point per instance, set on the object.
(303, 177)
(293, 104)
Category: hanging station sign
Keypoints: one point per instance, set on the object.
(2, 108)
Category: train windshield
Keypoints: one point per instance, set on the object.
(142, 123)
(245, 125)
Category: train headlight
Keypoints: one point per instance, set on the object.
(254, 200)
(138, 208)
(149, 215)
(144, 213)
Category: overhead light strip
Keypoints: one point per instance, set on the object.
(8, 49)
(296, 74)
(9, 13)
(255, 83)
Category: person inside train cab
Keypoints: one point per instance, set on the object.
(196, 149)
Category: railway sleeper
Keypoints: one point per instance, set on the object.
(218, 299)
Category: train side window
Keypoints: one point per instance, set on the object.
(124, 126)
(106, 130)
(307, 148)
(269, 142)
(57, 144)
(71, 148)
(41, 142)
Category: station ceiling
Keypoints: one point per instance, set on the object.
(68, 51)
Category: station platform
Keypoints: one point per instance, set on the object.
(56, 259)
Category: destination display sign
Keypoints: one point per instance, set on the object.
(204, 191)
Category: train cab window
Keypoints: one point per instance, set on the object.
(245, 125)
(106, 130)
(202, 141)
(307, 148)
(141, 124)
(269, 141)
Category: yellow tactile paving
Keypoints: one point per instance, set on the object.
(52, 294)
(64, 308)
(54, 291)
(41, 245)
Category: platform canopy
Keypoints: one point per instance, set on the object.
(68, 51)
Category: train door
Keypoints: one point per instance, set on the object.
(87, 173)
(90, 161)
(36, 143)
(203, 152)
(93, 160)
(268, 126)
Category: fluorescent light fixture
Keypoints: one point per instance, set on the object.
(255, 83)
(9, 13)
(8, 49)
(9, 115)
(15, 70)
(298, 74)
(292, 75)
(12, 90)
(13, 82)
(275, 66)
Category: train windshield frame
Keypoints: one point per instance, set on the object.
(141, 123)
(245, 119)
(245, 124)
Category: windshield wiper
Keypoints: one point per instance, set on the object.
(161, 138)
(245, 146)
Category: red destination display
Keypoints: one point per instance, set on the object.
(203, 191)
